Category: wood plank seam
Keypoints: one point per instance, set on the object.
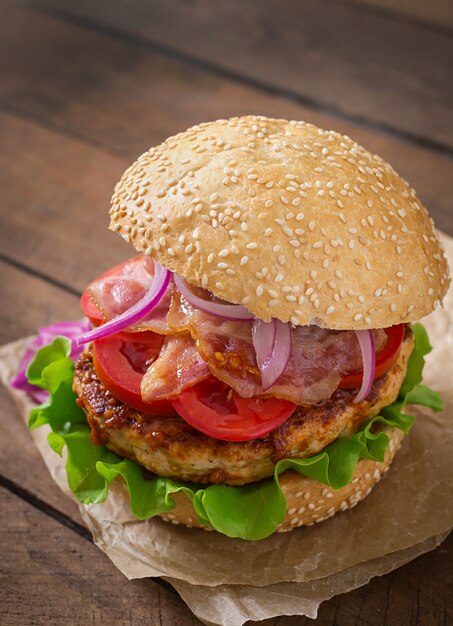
(27, 269)
(396, 16)
(243, 79)
(44, 507)
(60, 517)
(42, 122)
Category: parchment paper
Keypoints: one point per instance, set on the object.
(229, 581)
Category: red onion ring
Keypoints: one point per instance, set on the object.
(272, 343)
(263, 338)
(136, 312)
(46, 334)
(366, 341)
(232, 312)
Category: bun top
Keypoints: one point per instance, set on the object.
(290, 220)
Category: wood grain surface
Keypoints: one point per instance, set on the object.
(85, 87)
(357, 64)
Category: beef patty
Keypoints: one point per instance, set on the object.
(168, 446)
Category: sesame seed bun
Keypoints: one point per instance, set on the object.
(290, 220)
(309, 501)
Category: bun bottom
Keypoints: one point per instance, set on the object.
(309, 501)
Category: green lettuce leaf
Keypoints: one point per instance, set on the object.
(250, 512)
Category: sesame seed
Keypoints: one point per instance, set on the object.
(259, 291)
(357, 317)
(251, 246)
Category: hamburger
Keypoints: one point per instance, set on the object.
(248, 370)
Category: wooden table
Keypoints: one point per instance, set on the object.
(87, 86)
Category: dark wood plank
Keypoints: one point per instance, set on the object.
(56, 217)
(358, 63)
(51, 576)
(28, 303)
(438, 13)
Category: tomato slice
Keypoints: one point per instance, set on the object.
(216, 410)
(87, 305)
(385, 359)
(120, 362)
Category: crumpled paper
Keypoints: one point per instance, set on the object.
(226, 582)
